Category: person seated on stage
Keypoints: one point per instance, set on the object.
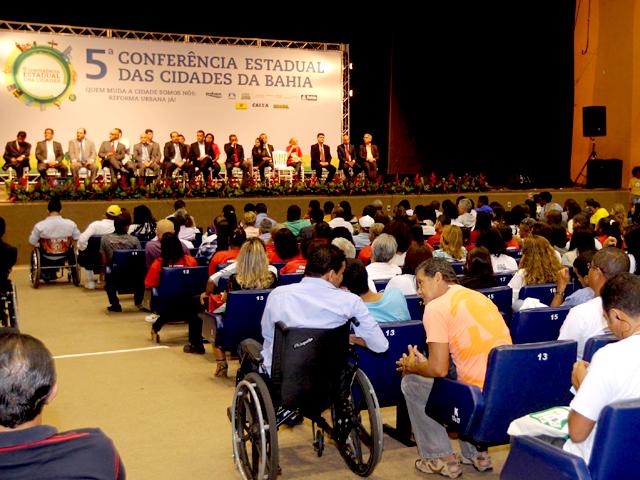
(146, 156)
(29, 448)
(82, 154)
(54, 227)
(112, 153)
(175, 157)
(348, 159)
(321, 158)
(262, 158)
(183, 141)
(16, 154)
(324, 304)
(383, 249)
(211, 140)
(388, 305)
(368, 157)
(202, 156)
(478, 270)
(126, 162)
(235, 159)
(250, 271)
(451, 247)
(452, 314)
(406, 283)
(538, 265)
(49, 154)
(98, 228)
(171, 255)
(118, 240)
(294, 157)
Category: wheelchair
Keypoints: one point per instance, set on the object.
(51, 258)
(9, 306)
(313, 370)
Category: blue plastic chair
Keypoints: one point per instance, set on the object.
(520, 379)
(416, 306)
(278, 265)
(242, 317)
(127, 270)
(617, 437)
(289, 278)
(595, 343)
(501, 297)
(504, 278)
(381, 284)
(537, 324)
(177, 286)
(458, 267)
(543, 292)
(381, 370)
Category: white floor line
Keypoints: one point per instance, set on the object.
(111, 352)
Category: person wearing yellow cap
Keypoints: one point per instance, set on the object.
(97, 228)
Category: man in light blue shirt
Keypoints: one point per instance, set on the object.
(54, 227)
(318, 302)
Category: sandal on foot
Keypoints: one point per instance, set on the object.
(449, 469)
(481, 463)
(221, 368)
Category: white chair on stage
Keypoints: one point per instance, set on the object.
(280, 165)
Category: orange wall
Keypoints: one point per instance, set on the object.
(608, 74)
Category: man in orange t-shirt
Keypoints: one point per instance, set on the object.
(462, 323)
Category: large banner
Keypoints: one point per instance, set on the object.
(65, 82)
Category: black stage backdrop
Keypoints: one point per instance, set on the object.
(473, 92)
(453, 88)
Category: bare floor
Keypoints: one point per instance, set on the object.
(164, 409)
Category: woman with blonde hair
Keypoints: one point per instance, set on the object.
(451, 247)
(539, 264)
(250, 271)
(294, 156)
(619, 213)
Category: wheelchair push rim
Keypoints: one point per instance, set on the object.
(35, 270)
(254, 430)
(363, 447)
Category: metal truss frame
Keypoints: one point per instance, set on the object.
(201, 39)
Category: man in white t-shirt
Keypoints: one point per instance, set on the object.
(613, 373)
(586, 320)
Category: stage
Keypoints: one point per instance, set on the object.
(21, 217)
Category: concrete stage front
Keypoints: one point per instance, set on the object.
(21, 217)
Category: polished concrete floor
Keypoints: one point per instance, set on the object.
(164, 409)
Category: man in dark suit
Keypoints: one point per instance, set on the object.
(368, 157)
(16, 154)
(176, 156)
(202, 155)
(235, 158)
(49, 154)
(321, 158)
(112, 153)
(347, 158)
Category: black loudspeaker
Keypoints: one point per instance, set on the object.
(594, 121)
(604, 173)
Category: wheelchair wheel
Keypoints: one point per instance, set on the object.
(36, 268)
(254, 429)
(362, 449)
(74, 275)
(12, 307)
